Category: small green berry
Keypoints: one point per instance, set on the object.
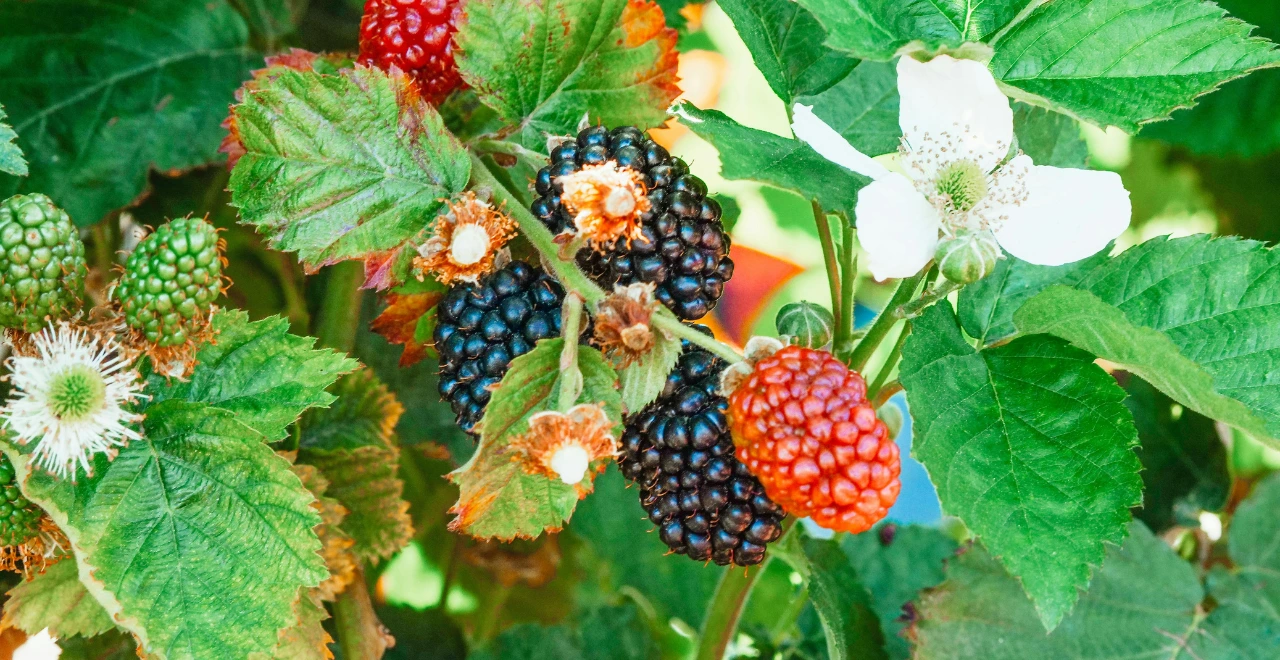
(42, 265)
(968, 257)
(19, 518)
(170, 282)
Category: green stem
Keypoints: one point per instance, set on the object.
(570, 375)
(566, 270)
(673, 326)
(724, 610)
(884, 323)
(940, 290)
(843, 344)
(359, 631)
(828, 257)
(889, 362)
(340, 310)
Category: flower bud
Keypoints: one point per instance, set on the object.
(968, 257)
(807, 324)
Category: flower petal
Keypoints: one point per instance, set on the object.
(956, 97)
(1069, 214)
(831, 145)
(897, 227)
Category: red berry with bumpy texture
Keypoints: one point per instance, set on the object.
(417, 37)
(802, 424)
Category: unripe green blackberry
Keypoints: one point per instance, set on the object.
(19, 518)
(42, 266)
(170, 282)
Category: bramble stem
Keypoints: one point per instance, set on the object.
(570, 375)
(340, 310)
(828, 257)
(359, 632)
(889, 362)
(566, 270)
(883, 323)
(843, 344)
(940, 290)
(725, 608)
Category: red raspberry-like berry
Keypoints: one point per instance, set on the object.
(417, 37)
(802, 424)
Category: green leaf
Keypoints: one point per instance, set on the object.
(353, 444)
(986, 307)
(880, 29)
(1241, 119)
(543, 64)
(786, 43)
(642, 381)
(306, 639)
(895, 564)
(11, 160)
(1254, 544)
(1050, 138)
(55, 599)
(342, 167)
(102, 91)
(1125, 62)
(606, 633)
(1030, 444)
(621, 538)
(258, 371)
(198, 537)
(1184, 462)
(498, 499)
(1142, 604)
(863, 107)
(1197, 317)
(842, 602)
(783, 162)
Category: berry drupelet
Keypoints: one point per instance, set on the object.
(417, 37)
(19, 518)
(483, 326)
(678, 449)
(684, 249)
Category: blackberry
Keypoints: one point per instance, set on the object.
(42, 266)
(705, 503)
(170, 282)
(482, 327)
(684, 250)
(19, 518)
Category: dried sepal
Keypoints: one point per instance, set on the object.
(622, 329)
(45, 548)
(607, 203)
(757, 349)
(466, 241)
(564, 445)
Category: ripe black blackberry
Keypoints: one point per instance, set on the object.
(678, 449)
(482, 327)
(684, 249)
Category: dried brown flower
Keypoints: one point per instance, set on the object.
(622, 323)
(564, 445)
(466, 240)
(607, 202)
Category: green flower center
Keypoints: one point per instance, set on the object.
(963, 183)
(77, 393)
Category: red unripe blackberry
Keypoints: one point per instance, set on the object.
(803, 425)
(678, 449)
(684, 249)
(482, 327)
(417, 37)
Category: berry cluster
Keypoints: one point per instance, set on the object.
(42, 266)
(482, 327)
(415, 36)
(706, 504)
(803, 425)
(19, 518)
(684, 249)
(170, 282)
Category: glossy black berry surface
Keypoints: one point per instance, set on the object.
(702, 499)
(482, 327)
(684, 250)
